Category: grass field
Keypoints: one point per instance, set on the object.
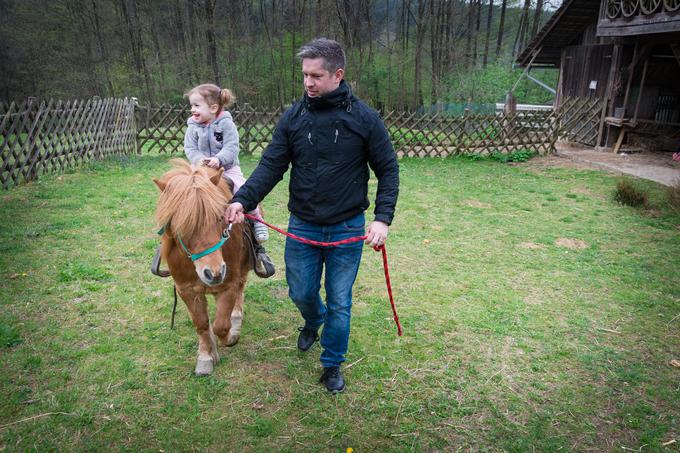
(538, 315)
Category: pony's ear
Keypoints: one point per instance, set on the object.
(160, 184)
(217, 176)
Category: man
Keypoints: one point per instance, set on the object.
(330, 138)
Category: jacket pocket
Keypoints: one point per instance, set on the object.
(348, 145)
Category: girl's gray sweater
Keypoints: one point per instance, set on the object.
(217, 139)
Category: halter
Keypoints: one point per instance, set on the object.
(193, 257)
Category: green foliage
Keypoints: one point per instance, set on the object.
(520, 155)
(490, 85)
(627, 192)
(156, 53)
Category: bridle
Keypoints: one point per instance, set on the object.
(194, 256)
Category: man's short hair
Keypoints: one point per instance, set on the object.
(327, 49)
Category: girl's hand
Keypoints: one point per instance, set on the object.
(212, 162)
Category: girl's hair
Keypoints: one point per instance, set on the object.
(213, 94)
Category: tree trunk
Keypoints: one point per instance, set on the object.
(478, 9)
(468, 40)
(134, 32)
(211, 50)
(272, 61)
(522, 29)
(102, 49)
(157, 46)
(501, 24)
(421, 27)
(489, 16)
(389, 60)
(537, 18)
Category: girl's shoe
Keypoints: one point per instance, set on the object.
(261, 232)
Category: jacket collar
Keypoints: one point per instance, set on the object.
(340, 97)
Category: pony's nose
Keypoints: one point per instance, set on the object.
(215, 278)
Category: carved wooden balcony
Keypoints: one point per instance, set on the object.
(637, 17)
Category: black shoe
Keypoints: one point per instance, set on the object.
(332, 377)
(264, 267)
(307, 338)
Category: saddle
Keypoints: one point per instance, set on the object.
(260, 262)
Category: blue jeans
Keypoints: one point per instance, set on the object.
(304, 265)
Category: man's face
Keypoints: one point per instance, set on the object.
(317, 80)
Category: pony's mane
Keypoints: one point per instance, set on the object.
(190, 201)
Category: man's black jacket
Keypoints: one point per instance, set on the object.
(329, 141)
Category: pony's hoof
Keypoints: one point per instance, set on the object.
(232, 340)
(204, 367)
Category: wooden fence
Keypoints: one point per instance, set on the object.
(161, 128)
(581, 120)
(45, 137)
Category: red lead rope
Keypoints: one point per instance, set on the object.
(344, 241)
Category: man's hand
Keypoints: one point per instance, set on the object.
(212, 162)
(377, 233)
(234, 213)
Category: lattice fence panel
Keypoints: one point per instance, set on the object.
(580, 120)
(40, 137)
(162, 127)
(440, 136)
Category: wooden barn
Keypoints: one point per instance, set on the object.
(621, 60)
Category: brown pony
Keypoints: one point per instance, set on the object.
(204, 256)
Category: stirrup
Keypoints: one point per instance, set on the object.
(156, 264)
(263, 266)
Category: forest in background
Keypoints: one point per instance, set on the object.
(401, 54)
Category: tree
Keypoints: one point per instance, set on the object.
(489, 16)
(537, 17)
(211, 49)
(501, 25)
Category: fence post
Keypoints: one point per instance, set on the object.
(509, 111)
(245, 143)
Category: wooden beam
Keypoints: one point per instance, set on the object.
(619, 140)
(526, 70)
(642, 86)
(676, 51)
(631, 71)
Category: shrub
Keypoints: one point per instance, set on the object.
(673, 196)
(521, 155)
(627, 193)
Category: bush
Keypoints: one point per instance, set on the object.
(673, 196)
(627, 193)
(521, 155)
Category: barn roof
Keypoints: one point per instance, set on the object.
(564, 28)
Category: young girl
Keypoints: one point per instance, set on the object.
(212, 138)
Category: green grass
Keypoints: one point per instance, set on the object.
(539, 315)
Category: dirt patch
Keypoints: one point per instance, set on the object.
(554, 161)
(656, 166)
(571, 243)
(477, 204)
(530, 245)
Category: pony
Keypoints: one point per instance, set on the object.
(204, 255)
